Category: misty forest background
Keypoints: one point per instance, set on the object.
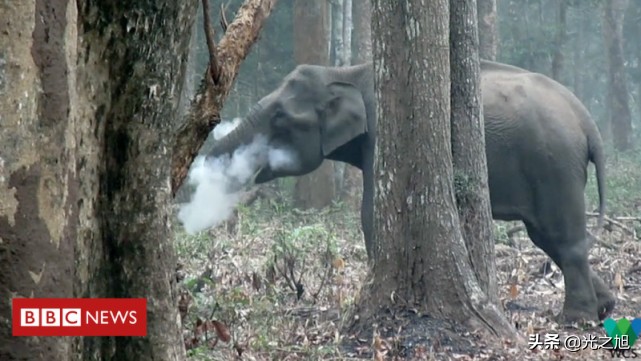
(565, 40)
(281, 272)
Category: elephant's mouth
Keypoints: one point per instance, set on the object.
(263, 175)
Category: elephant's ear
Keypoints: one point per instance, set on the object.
(345, 116)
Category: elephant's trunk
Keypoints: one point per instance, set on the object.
(243, 134)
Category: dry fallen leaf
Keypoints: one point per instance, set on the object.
(221, 331)
(514, 291)
(618, 281)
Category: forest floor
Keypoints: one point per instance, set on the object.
(279, 284)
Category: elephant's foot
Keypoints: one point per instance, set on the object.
(606, 308)
(580, 307)
(571, 318)
(605, 299)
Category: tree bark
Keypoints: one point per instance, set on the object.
(135, 183)
(619, 108)
(311, 26)
(468, 146)
(38, 179)
(84, 177)
(210, 97)
(488, 29)
(420, 257)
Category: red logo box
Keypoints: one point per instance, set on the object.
(79, 317)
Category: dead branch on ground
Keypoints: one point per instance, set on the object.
(225, 60)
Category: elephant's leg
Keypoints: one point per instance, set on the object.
(569, 250)
(605, 299)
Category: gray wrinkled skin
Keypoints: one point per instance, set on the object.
(539, 141)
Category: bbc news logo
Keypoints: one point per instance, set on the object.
(79, 317)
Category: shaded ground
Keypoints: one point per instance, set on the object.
(279, 285)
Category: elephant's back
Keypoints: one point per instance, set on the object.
(533, 126)
(530, 107)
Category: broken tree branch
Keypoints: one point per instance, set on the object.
(615, 222)
(223, 19)
(214, 70)
(204, 113)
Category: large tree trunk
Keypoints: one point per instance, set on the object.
(85, 152)
(420, 256)
(488, 29)
(146, 73)
(619, 109)
(468, 146)
(38, 179)
(311, 26)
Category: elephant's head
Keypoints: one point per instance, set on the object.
(311, 114)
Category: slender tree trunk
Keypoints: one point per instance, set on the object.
(362, 49)
(619, 109)
(311, 20)
(561, 25)
(338, 45)
(578, 71)
(347, 32)
(420, 257)
(468, 146)
(488, 29)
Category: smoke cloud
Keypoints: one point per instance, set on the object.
(219, 181)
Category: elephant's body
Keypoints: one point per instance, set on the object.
(539, 141)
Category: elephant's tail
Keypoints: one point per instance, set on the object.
(597, 156)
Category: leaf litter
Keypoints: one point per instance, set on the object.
(277, 285)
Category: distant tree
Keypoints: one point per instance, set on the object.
(561, 29)
(488, 29)
(620, 121)
(362, 44)
(419, 254)
(311, 40)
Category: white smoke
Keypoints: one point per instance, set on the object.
(218, 181)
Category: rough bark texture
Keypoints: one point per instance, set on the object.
(311, 26)
(561, 29)
(620, 117)
(146, 47)
(420, 258)
(208, 102)
(85, 172)
(468, 145)
(488, 29)
(38, 180)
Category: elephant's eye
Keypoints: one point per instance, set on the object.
(279, 121)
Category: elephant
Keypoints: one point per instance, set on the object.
(539, 139)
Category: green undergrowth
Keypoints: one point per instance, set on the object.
(277, 278)
(280, 279)
(623, 185)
